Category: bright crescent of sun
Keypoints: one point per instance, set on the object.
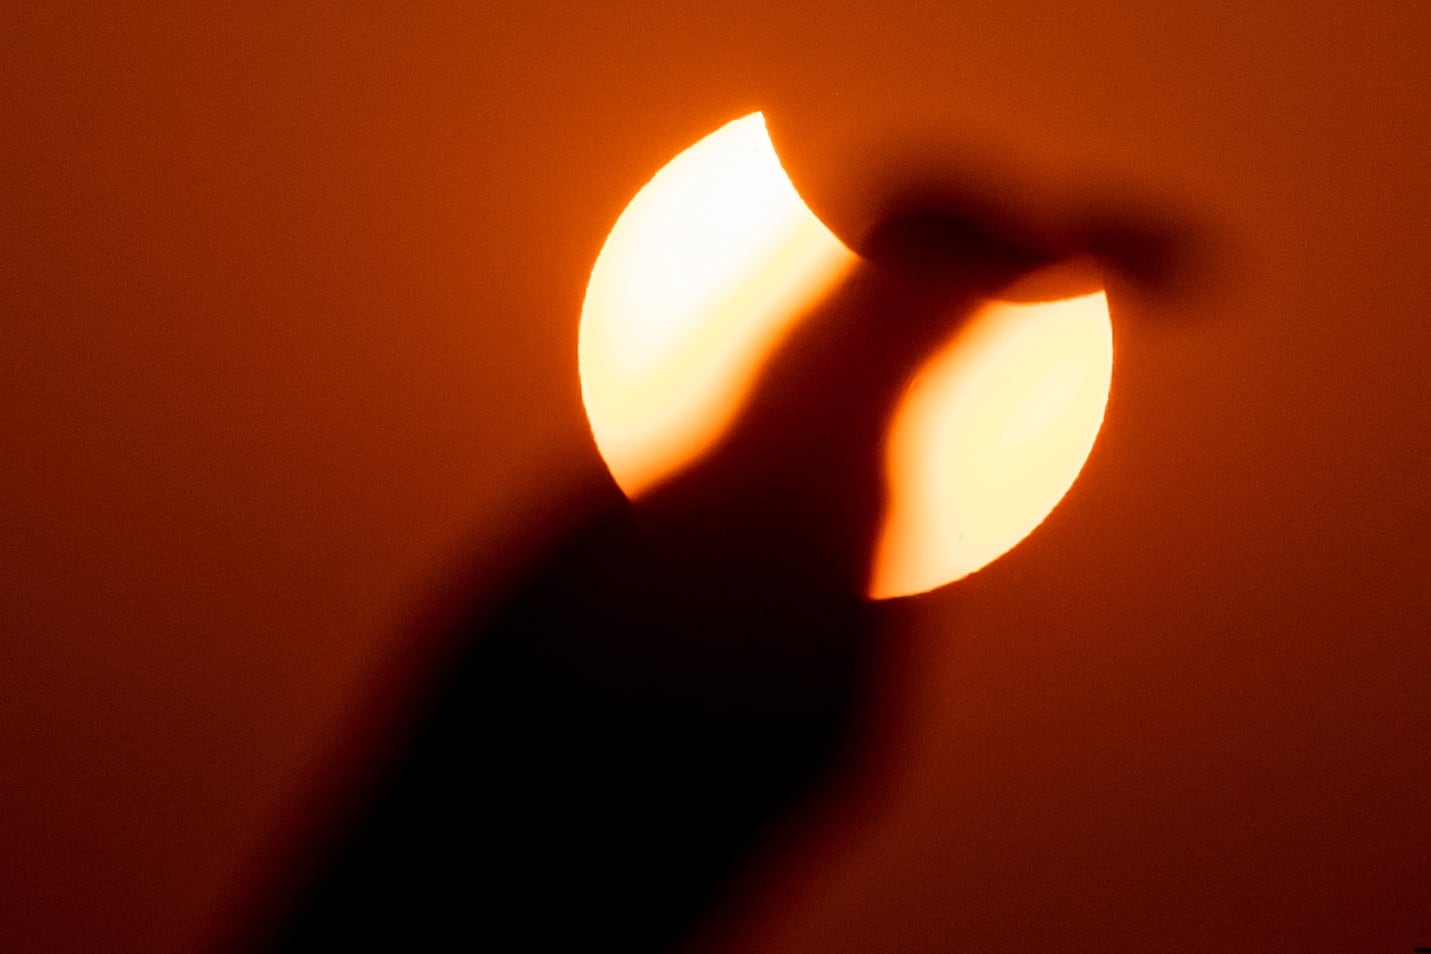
(707, 270)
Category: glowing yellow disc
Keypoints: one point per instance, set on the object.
(707, 270)
(990, 436)
(703, 273)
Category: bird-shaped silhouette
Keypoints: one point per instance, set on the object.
(617, 737)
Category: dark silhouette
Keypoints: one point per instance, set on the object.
(616, 739)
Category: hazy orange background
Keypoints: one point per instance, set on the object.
(289, 304)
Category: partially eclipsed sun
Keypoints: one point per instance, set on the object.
(708, 269)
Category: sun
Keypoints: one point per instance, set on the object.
(712, 264)
(991, 434)
(704, 272)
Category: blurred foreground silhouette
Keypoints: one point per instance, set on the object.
(614, 741)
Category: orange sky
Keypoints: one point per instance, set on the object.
(290, 301)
